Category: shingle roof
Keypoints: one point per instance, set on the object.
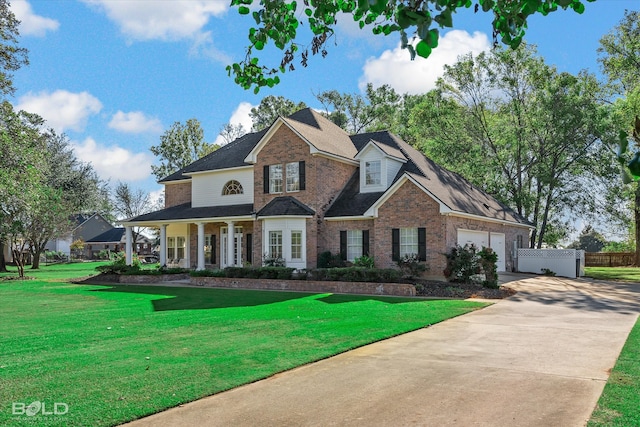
(322, 133)
(231, 155)
(448, 187)
(351, 202)
(185, 211)
(284, 206)
(109, 236)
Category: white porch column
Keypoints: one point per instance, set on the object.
(230, 244)
(128, 245)
(201, 246)
(163, 245)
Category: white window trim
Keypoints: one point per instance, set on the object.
(272, 179)
(297, 177)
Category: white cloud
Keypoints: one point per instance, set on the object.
(157, 197)
(135, 122)
(163, 20)
(240, 116)
(115, 163)
(61, 109)
(30, 23)
(395, 68)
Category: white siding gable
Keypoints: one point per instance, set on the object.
(388, 169)
(207, 187)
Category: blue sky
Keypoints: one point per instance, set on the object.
(115, 74)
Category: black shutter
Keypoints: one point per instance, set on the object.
(395, 244)
(422, 244)
(265, 184)
(365, 242)
(213, 249)
(249, 258)
(343, 245)
(302, 175)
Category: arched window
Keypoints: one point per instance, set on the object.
(232, 187)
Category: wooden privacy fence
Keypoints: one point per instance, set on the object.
(609, 259)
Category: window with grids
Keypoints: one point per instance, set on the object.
(296, 244)
(408, 241)
(354, 244)
(232, 187)
(275, 179)
(171, 248)
(293, 176)
(275, 244)
(180, 247)
(373, 174)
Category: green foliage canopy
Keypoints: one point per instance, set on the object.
(278, 21)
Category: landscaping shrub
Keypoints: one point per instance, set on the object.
(355, 274)
(410, 266)
(282, 273)
(364, 261)
(465, 264)
(119, 265)
(269, 260)
(328, 260)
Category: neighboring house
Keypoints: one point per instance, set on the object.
(85, 227)
(114, 240)
(304, 186)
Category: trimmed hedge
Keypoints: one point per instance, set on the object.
(356, 274)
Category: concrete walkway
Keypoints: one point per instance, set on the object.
(540, 358)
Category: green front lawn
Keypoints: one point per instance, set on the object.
(620, 402)
(626, 274)
(116, 353)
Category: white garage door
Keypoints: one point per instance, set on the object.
(478, 238)
(481, 239)
(497, 244)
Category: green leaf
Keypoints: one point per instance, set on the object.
(578, 7)
(243, 10)
(432, 38)
(634, 166)
(423, 49)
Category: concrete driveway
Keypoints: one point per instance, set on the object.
(540, 358)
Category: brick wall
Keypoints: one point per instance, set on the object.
(409, 206)
(177, 194)
(325, 178)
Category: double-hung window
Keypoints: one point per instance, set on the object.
(373, 173)
(293, 176)
(354, 244)
(408, 241)
(275, 179)
(275, 244)
(296, 244)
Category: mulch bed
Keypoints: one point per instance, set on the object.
(432, 288)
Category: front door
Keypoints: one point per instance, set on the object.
(236, 258)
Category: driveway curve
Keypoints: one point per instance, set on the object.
(539, 358)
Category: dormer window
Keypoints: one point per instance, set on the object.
(231, 188)
(373, 173)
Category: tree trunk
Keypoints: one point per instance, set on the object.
(637, 222)
(19, 261)
(35, 263)
(3, 262)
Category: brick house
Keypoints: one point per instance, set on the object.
(304, 186)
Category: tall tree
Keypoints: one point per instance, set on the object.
(231, 132)
(355, 113)
(619, 55)
(270, 108)
(278, 21)
(12, 57)
(129, 202)
(68, 186)
(22, 160)
(518, 129)
(179, 146)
